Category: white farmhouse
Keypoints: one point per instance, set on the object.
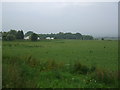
(38, 38)
(26, 38)
(48, 38)
(52, 38)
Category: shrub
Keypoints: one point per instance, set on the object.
(51, 64)
(106, 77)
(11, 76)
(77, 66)
(10, 37)
(93, 68)
(17, 73)
(84, 69)
(33, 37)
(80, 69)
(102, 38)
(32, 62)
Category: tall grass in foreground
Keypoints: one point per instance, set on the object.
(27, 72)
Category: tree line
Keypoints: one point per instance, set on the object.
(62, 35)
(19, 35)
(12, 35)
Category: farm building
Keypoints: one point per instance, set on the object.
(38, 38)
(49, 38)
(27, 37)
(52, 37)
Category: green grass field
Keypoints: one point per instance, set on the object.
(60, 64)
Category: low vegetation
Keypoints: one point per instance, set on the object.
(60, 64)
(32, 73)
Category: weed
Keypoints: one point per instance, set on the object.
(106, 77)
(80, 69)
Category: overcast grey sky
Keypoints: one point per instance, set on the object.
(93, 18)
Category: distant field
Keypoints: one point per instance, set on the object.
(102, 53)
(97, 53)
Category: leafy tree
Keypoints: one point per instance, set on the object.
(10, 37)
(13, 32)
(4, 35)
(102, 38)
(28, 33)
(33, 37)
(87, 37)
(20, 35)
(68, 35)
(78, 36)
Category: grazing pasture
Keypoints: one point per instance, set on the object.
(60, 63)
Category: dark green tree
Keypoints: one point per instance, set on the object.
(33, 37)
(102, 38)
(13, 32)
(29, 33)
(87, 37)
(10, 37)
(20, 35)
(78, 36)
(4, 35)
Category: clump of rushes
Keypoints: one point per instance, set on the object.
(23, 71)
(32, 61)
(51, 64)
(106, 77)
(80, 69)
(93, 68)
(11, 76)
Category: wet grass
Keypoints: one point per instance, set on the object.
(52, 64)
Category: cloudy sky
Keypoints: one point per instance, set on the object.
(93, 18)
